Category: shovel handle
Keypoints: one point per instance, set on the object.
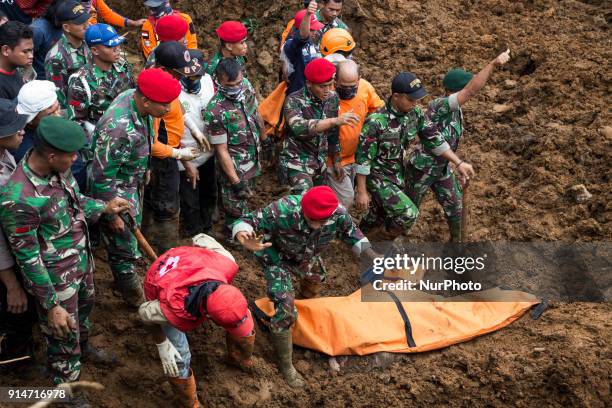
(144, 245)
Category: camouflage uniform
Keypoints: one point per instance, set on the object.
(235, 123)
(296, 250)
(121, 151)
(427, 170)
(214, 61)
(303, 159)
(91, 90)
(45, 220)
(63, 61)
(383, 142)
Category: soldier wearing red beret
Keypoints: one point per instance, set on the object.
(169, 28)
(122, 144)
(298, 229)
(311, 114)
(232, 38)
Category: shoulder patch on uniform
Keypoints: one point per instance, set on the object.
(145, 34)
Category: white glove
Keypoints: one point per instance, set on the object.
(186, 153)
(202, 140)
(168, 355)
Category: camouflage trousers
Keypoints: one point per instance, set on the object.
(446, 188)
(232, 206)
(64, 354)
(391, 207)
(279, 285)
(301, 181)
(122, 248)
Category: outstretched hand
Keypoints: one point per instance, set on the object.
(252, 241)
(502, 58)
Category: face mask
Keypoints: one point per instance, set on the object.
(160, 11)
(234, 93)
(347, 92)
(192, 86)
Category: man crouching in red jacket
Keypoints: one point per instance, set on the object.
(185, 287)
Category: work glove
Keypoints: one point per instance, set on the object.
(185, 153)
(168, 355)
(241, 190)
(202, 140)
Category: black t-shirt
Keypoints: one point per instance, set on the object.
(10, 84)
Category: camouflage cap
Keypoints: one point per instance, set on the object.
(61, 134)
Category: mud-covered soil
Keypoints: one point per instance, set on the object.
(541, 126)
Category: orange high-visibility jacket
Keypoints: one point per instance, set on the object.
(108, 16)
(148, 37)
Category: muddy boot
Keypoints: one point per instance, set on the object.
(310, 289)
(97, 356)
(163, 234)
(185, 391)
(283, 346)
(130, 287)
(240, 350)
(454, 227)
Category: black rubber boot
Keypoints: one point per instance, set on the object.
(283, 346)
(130, 287)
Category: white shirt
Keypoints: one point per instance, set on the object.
(193, 105)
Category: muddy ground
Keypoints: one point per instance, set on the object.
(541, 126)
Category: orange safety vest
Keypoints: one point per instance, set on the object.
(148, 36)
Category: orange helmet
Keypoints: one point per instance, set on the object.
(336, 39)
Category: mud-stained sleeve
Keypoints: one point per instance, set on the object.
(367, 149)
(20, 223)
(264, 219)
(302, 128)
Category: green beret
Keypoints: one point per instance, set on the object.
(61, 133)
(456, 79)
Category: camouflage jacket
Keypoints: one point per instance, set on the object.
(121, 149)
(384, 140)
(236, 123)
(45, 220)
(91, 90)
(283, 224)
(214, 61)
(303, 148)
(61, 62)
(445, 125)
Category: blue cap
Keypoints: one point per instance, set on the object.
(103, 34)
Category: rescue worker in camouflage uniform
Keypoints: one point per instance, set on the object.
(121, 154)
(429, 164)
(311, 114)
(232, 37)
(235, 128)
(71, 52)
(93, 87)
(45, 219)
(298, 229)
(384, 140)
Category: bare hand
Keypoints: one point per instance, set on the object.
(251, 241)
(60, 322)
(502, 58)
(202, 141)
(16, 300)
(362, 200)
(465, 171)
(312, 7)
(349, 118)
(116, 205)
(117, 225)
(192, 173)
(136, 23)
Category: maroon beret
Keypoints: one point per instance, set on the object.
(232, 31)
(171, 28)
(158, 85)
(319, 71)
